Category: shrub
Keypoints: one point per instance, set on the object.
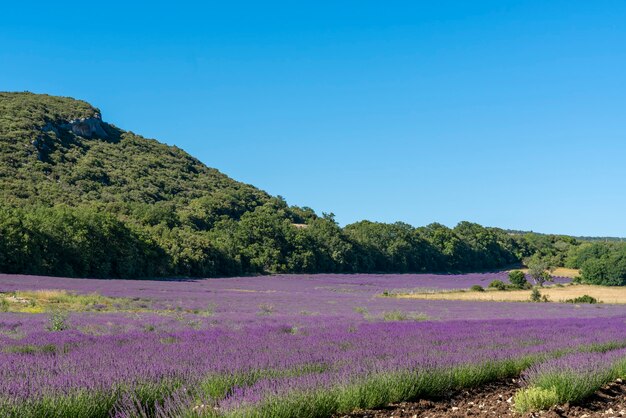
(583, 299)
(266, 309)
(395, 316)
(57, 321)
(398, 315)
(533, 398)
(537, 269)
(518, 279)
(535, 295)
(497, 284)
(4, 305)
(477, 288)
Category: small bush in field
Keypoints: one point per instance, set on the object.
(477, 288)
(583, 299)
(498, 285)
(57, 321)
(266, 309)
(535, 296)
(360, 309)
(518, 279)
(398, 315)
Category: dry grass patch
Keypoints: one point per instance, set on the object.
(603, 294)
(561, 272)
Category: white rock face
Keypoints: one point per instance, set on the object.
(87, 127)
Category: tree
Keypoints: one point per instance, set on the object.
(537, 267)
(518, 279)
(535, 295)
(607, 271)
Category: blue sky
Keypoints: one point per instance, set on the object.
(506, 113)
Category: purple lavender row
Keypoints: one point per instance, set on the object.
(326, 354)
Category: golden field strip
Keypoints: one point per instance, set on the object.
(604, 294)
(562, 272)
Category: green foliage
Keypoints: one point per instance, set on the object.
(518, 280)
(74, 242)
(535, 296)
(583, 299)
(477, 288)
(57, 321)
(608, 270)
(537, 267)
(577, 256)
(553, 249)
(401, 248)
(534, 398)
(498, 285)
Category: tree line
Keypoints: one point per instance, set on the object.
(208, 240)
(211, 238)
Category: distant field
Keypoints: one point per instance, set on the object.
(555, 294)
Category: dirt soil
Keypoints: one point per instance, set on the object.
(495, 400)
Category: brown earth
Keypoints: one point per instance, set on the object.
(496, 400)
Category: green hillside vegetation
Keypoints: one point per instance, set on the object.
(81, 197)
(601, 263)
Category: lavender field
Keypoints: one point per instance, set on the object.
(285, 346)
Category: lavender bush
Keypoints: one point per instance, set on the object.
(570, 378)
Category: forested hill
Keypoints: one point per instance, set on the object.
(81, 197)
(58, 150)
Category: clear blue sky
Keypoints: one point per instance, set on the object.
(506, 113)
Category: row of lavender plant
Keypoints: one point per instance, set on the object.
(570, 378)
(274, 369)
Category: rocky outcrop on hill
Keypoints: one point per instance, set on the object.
(87, 127)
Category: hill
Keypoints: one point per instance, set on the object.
(58, 150)
(82, 197)
(580, 238)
